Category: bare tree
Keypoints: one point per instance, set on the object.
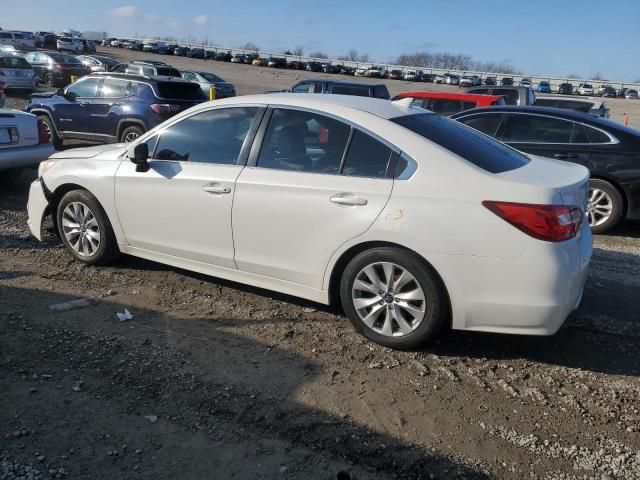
(597, 76)
(573, 75)
(352, 55)
(298, 51)
(318, 55)
(364, 57)
(449, 61)
(250, 46)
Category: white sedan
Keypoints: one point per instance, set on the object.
(24, 140)
(411, 220)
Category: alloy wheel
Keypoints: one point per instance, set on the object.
(599, 208)
(81, 229)
(388, 299)
(130, 137)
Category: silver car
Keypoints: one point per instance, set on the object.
(17, 73)
(24, 139)
(631, 94)
(206, 80)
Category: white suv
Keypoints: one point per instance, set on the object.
(585, 89)
(411, 220)
(69, 44)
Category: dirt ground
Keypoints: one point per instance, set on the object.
(212, 379)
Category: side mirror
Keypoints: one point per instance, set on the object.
(70, 96)
(139, 155)
(60, 92)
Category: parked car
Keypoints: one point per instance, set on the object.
(55, 69)
(506, 81)
(110, 107)
(358, 230)
(469, 81)
(452, 79)
(206, 80)
(46, 40)
(446, 103)
(238, 58)
(622, 92)
(345, 70)
(592, 106)
(17, 73)
(440, 78)
(277, 62)
(69, 44)
(585, 89)
(196, 52)
(161, 48)
(526, 82)
(223, 56)
(259, 62)
(152, 69)
(607, 148)
(565, 88)
(490, 81)
(24, 139)
(341, 88)
(330, 68)
(97, 63)
(17, 39)
(181, 51)
(136, 45)
(412, 75)
(87, 46)
(608, 91)
(543, 87)
(314, 67)
(427, 77)
(108, 42)
(395, 75)
(631, 94)
(149, 47)
(514, 95)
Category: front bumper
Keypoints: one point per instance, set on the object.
(37, 208)
(530, 295)
(14, 157)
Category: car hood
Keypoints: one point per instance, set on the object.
(108, 152)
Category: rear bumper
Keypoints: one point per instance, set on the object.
(530, 295)
(22, 82)
(24, 156)
(37, 208)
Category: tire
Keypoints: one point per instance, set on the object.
(131, 132)
(49, 80)
(386, 318)
(55, 140)
(85, 229)
(605, 206)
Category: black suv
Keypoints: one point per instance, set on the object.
(376, 90)
(112, 107)
(565, 89)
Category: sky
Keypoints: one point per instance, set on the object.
(539, 37)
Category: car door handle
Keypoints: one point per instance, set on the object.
(565, 156)
(216, 189)
(351, 201)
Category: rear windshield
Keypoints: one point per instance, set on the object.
(14, 62)
(180, 91)
(167, 72)
(475, 147)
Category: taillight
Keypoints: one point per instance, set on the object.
(551, 223)
(43, 132)
(165, 108)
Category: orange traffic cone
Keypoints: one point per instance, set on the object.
(626, 120)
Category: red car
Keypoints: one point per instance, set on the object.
(450, 103)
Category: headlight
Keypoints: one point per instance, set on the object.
(44, 166)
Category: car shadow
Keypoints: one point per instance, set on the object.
(230, 386)
(628, 229)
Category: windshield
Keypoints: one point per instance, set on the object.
(211, 77)
(475, 147)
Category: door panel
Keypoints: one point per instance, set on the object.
(287, 226)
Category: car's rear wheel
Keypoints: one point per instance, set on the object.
(55, 140)
(49, 79)
(85, 229)
(605, 206)
(393, 298)
(130, 134)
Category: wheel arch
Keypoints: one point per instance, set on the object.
(43, 111)
(344, 259)
(129, 122)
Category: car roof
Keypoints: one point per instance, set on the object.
(556, 112)
(449, 95)
(375, 106)
(140, 78)
(340, 82)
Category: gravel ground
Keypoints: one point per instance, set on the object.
(214, 379)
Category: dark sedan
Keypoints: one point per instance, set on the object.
(609, 150)
(55, 69)
(206, 80)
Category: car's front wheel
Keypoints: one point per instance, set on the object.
(605, 206)
(85, 229)
(55, 140)
(393, 298)
(49, 80)
(130, 134)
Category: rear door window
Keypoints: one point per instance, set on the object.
(301, 88)
(487, 124)
(113, 88)
(476, 148)
(304, 142)
(537, 129)
(366, 157)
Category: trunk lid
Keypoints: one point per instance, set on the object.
(17, 129)
(569, 180)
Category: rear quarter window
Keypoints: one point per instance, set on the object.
(476, 148)
(180, 91)
(350, 90)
